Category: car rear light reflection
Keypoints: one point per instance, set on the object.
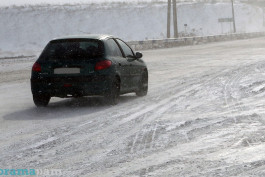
(36, 67)
(102, 65)
(67, 85)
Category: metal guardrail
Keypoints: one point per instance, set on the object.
(175, 42)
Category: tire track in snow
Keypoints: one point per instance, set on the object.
(228, 87)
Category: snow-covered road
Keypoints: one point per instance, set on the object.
(204, 115)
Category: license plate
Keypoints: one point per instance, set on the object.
(66, 70)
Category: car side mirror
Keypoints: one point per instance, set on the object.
(138, 55)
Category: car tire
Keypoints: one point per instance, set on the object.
(113, 96)
(143, 85)
(41, 100)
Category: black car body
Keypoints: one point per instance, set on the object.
(88, 65)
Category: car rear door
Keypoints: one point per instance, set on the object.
(134, 67)
(114, 53)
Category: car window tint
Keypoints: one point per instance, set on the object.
(112, 49)
(126, 49)
(72, 49)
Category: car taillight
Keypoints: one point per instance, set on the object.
(103, 65)
(36, 67)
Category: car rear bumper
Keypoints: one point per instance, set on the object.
(71, 86)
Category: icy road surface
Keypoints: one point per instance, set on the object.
(204, 116)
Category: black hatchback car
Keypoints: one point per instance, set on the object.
(90, 65)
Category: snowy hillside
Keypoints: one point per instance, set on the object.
(26, 29)
(63, 2)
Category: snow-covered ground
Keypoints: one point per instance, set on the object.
(25, 30)
(203, 116)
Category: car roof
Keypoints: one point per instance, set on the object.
(88, 36)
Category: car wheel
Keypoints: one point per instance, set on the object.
(143, 85)
(41, 100)
(113, 96)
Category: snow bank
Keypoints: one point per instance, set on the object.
(26, 29)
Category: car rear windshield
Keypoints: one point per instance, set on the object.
(73, 49)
